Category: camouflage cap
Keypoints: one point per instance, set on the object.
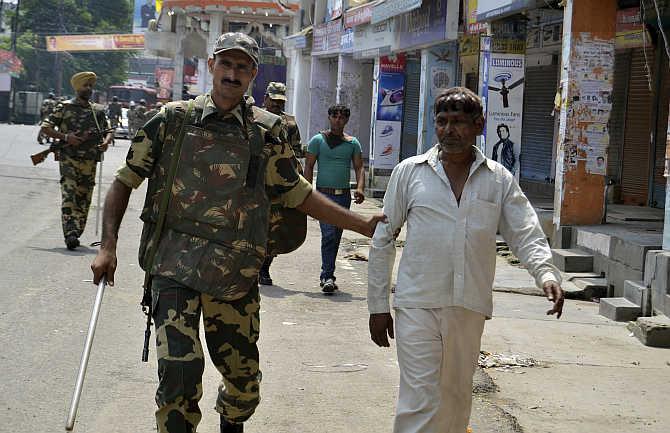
(276, 90)
(237, 41)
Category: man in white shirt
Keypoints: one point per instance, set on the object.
(454, 201)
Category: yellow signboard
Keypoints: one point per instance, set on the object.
(95, 42)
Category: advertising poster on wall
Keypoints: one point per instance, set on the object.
(390, 103)
(503, 85)
(145, 11)
(440, 73)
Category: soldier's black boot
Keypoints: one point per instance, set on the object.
(264, 274)
(71, 242)
(229, 427)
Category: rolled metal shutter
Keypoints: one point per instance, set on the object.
(658, 192)
(637, 133)
(537, 135)
(618, 114)
(410, 124)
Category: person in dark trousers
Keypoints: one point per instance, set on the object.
(334, 152)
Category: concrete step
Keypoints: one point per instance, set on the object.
(619, 309)
(572, 260)
(589, 288)
(652, 331)
(638, 293)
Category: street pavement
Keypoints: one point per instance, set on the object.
(321, 372)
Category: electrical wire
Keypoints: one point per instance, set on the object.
(644, 46)
(660, 27)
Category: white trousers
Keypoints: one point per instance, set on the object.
(437, 354)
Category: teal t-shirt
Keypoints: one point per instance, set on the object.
(334, 164)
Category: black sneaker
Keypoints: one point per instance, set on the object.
(229, 427)
(71, 242)
(264, 280)
(328, 287)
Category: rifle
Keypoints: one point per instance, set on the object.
(40, 157)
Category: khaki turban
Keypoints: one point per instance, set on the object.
(79, 79)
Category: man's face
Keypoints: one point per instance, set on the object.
(503, 133)
(457, 131)
(85, 91)
(275, 106)
(338, 120)
(232, 71)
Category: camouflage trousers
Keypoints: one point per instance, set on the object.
(77, 179)
(231, 332)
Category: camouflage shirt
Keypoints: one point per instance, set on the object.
(71, 117)
(185, 254)
(114, 110)
(293, 134)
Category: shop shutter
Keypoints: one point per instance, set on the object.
(658, 192)
(637, 133)
(618, 114)
(410, 124)
(537, 135)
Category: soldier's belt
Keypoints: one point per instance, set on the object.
(333, 191)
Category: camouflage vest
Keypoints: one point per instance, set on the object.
(216, 226)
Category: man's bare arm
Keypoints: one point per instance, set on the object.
(310, 160)
(318, 206)
(116, 204)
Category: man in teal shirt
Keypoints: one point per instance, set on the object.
(334, 151)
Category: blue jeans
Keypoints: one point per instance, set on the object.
(330, 238)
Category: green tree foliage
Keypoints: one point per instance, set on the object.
(39, 18)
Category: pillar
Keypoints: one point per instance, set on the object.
(215, 30)
(589, 30)
(178, 83)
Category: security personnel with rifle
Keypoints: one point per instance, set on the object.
(83, 133)
(214, 164)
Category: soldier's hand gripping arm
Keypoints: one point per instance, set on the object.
(116, 203)
(318, 206)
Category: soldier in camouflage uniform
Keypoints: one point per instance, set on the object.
(114, 112)
(47, 107)
(233, 160)
(132, 119)
(77, 123)
(141, 114)
(275, 99)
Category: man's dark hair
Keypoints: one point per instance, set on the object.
(502, 126)
(459, 99)
(339, 109)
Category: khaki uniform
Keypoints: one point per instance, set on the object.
(114, 113)
(77, 163)
(293, 134)
(211, 247)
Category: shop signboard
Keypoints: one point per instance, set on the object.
(95, 42)
(358, 15)
(489, 9)
(473, 27)
(390, 8)
(347, 41)
(501, 89)
(374, 40)
(630, 33)
(388, 119)
(427, 25)
(327, 38)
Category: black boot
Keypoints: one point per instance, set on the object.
(264, 274)
(228, 427)
(71, 242)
